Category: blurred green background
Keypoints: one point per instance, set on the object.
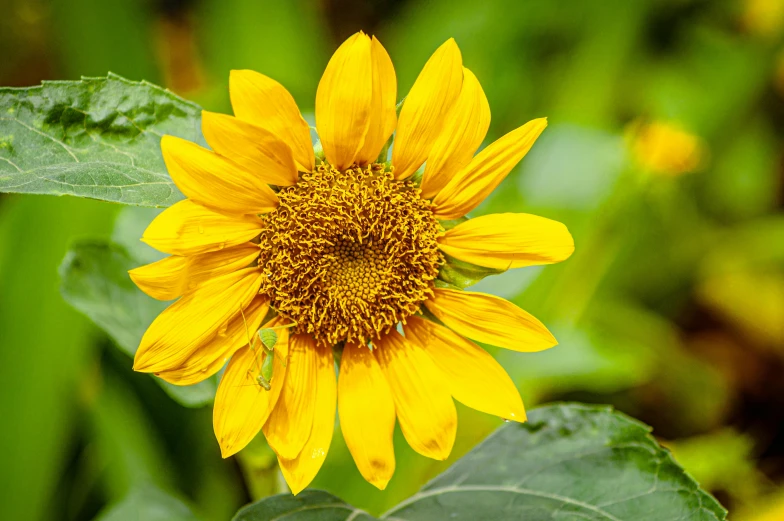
(671, 309)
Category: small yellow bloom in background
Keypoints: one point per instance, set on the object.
(341, 252)
(665, 148)
(763, 17)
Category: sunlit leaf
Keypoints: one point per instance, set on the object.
(568, 462)
(97, 138)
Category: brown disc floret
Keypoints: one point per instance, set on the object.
(348, 255)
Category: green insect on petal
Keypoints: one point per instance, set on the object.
(264, 383)
(266, 367)
(268, 338)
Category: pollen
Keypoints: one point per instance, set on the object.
(349, 254)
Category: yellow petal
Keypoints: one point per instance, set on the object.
(215, 352)
(472, 184)
(489, 319)
(382, 112)
(422, 401)
(508, 240)
(214, 181)
(343, 101)
(463, 132)
(426, 107)
(169, 278)
(205, 267)
(367, 414)
(164, 279)
(266, 103)
(473, 376)
(186, 228)
(186, 325)
(256, 149)
(288, 426)
(242, 406)
(300, 471)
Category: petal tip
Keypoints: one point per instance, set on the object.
(517, 416)
(379, 483)
(296, 488)
(226, 452)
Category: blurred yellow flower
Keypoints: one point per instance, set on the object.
(340, 252)
(665, 148)
(765, 510)
(763, 17)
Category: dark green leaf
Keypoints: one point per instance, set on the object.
(97, 138)
(149, 504)
(569, 462)
(95, 281)
(310, 505)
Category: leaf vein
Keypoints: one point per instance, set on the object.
(33, 129)
(500, 488)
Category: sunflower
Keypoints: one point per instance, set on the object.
(284, 262)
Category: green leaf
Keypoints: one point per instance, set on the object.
(310, 505)
(97, 138)
(150, 504)
(95, 281)
(569, 462)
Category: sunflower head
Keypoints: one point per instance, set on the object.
(349, 254)
(344, 251)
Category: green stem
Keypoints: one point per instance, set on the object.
(260, 469)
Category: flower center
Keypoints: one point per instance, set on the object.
(348, 255)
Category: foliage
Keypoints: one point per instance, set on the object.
(95, 281)
(97, 138)
(569, 461)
